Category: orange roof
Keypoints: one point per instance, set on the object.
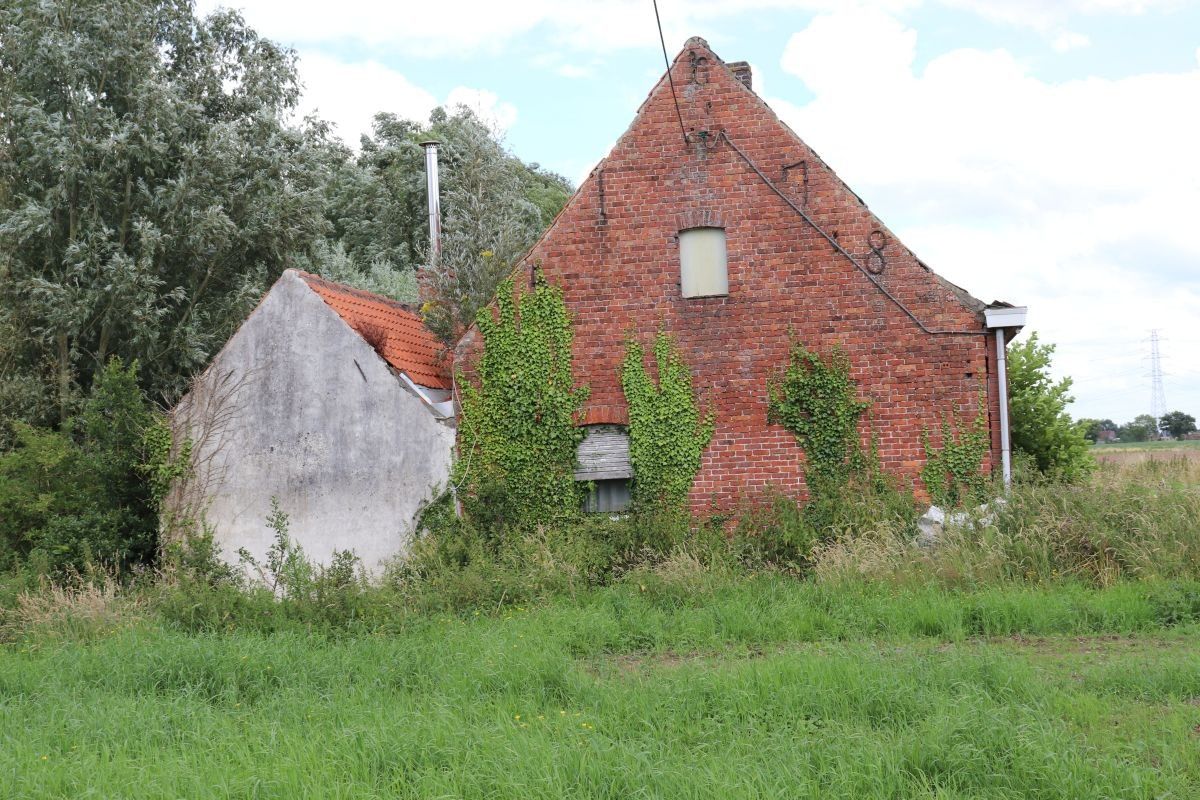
(393, 329)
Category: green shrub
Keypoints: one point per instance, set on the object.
(1041, 426)
(781, 533)
(69, 498)
(455, 563)
(775, 533)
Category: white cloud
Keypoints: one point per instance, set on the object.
(1076, 197)
(438, 29)
(1044, 15)
(1069, 40)
(575, 71)
(469, 27)
(487, 105)
(551, 61)
(349, 95)
(882, 50)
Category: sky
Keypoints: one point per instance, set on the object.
(1042, 152)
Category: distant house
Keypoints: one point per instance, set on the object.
(333, 401)
(714, 221)
(1106, 436)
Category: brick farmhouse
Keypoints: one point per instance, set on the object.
(710, 220)
(786, 250)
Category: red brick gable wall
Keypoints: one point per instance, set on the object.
(614, 251)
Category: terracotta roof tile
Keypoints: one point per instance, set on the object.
(393, 329)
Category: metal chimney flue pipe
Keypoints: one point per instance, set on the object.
(435, 210)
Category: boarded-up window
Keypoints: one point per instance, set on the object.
(603, 459)
(603, 454)
(703, 268)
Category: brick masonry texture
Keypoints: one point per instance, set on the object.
(614, 251)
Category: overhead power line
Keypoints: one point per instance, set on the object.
(670, 80)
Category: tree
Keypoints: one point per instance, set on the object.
(1092, 428)
(330, 260)
(149, 190)
(1177, 424)
(75, 496)
(1041, 427)
(494, 206)
(1142, 428)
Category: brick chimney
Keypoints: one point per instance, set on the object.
(741, 71)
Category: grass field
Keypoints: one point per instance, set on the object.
(1049, 653)
(761, 687)
(1136, 452)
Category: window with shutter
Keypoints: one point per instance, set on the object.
(603, 459)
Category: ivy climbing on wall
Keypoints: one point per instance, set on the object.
(517, 432)
(953, 473)
(816, 399)
(667, 432)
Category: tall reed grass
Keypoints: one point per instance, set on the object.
(1134, 521)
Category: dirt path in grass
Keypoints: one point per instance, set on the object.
(1064, 650)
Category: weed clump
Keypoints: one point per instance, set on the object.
(1130, 524)
(77, 607)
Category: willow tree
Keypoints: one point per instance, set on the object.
(494, 207)
(150, 186)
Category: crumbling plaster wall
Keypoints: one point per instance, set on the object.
(315, 418)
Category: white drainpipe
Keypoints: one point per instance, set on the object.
(1000, 319)
(1002, 379)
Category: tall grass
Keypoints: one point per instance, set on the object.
(75, 608)
(1132, 521)
(1046, 652)
(766, 687)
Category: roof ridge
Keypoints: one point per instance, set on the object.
(521, 263)
(311, 278)
(393, 330)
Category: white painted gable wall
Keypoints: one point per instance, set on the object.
(321, 422)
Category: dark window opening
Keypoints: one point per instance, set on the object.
(608, 496)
